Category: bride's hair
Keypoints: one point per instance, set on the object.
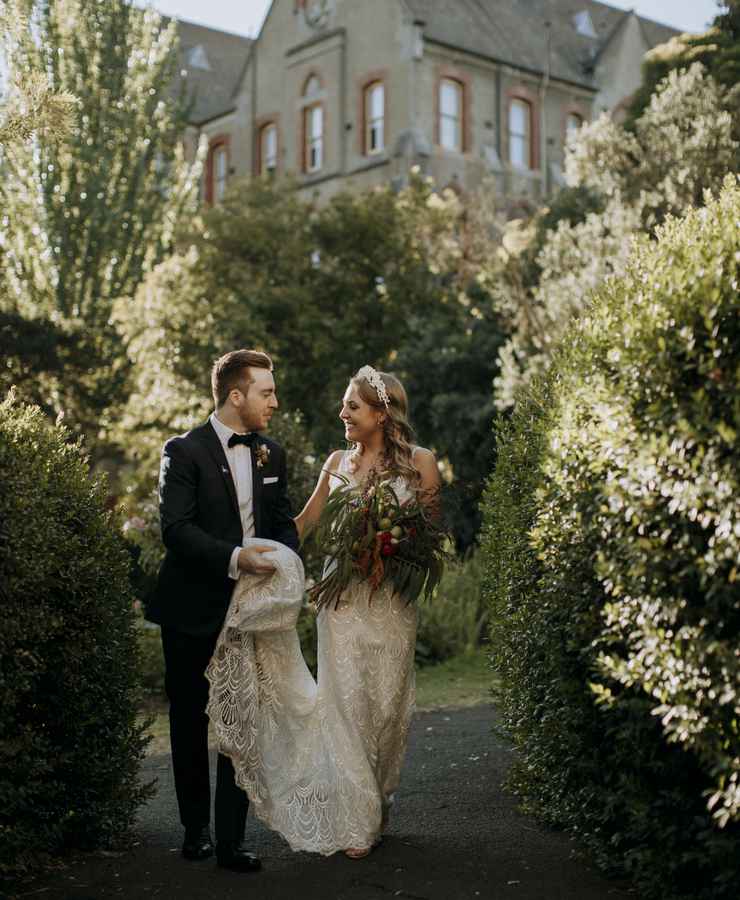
(398, 435)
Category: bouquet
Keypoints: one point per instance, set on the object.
(367, 533)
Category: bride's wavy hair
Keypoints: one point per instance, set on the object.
(398, 435)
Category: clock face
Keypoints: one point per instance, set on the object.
(317, 12)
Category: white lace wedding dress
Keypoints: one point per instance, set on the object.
(319, 761)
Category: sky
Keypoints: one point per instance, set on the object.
(245, 16)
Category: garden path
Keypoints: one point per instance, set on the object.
(456, 835)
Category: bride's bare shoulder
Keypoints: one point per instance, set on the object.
(425, 463)
(334, 461)
(422, 456)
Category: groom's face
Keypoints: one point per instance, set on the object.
(260, 401)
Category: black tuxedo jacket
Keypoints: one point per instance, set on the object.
(201, 525)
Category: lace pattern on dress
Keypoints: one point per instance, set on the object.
(320, 762)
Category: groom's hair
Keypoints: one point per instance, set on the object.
(232, 371)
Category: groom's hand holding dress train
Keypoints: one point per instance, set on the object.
(219, 483)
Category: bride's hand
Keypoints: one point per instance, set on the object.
(251, 560)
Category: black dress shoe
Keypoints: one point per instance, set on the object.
(198, 843)
(230, 856)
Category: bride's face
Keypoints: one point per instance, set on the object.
(360, 419)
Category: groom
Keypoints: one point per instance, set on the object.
(219, 483)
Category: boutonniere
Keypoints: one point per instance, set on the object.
(262, 452)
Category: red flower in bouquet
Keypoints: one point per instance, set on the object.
(370, 535)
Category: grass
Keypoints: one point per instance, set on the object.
(461, 681)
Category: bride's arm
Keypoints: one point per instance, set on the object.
(425, 464)
(310, 513)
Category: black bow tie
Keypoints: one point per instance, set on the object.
(248, 440)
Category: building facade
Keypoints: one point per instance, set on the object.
(351, 93)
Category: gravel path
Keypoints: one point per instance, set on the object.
(455, 834)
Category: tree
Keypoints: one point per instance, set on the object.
(717, 49)
(612, 554)
(89, 215)
(681, 146)
(31, 104)
(367, 278)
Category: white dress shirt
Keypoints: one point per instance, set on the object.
(239, 459)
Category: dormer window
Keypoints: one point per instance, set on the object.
(197, 59)
(584, 24)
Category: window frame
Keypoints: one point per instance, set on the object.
(573, 117)
(216, 188)
(265, 129)
(312, 146)
(459, 119)
(526, 138)
(370, 120)
(313, 142)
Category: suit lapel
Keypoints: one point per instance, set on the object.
(256, 492)
(217, 452)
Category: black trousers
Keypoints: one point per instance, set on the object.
(186, 657)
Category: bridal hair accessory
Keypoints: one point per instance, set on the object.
(373, 376)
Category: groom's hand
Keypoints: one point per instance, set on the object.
(251, 560)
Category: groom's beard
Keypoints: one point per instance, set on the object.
(246, 422)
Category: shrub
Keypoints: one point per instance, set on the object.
(69, 743)
(613, 538)
(455, 620)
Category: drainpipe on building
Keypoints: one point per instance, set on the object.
(343, 118)
(254, 154)
(543, 114)
(417, 54)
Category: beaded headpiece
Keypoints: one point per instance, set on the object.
(373, 377)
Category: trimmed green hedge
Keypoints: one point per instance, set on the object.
(612, 530)
(69, 742)
(455, 620)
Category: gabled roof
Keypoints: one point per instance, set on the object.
(514, 32)
(212, 89)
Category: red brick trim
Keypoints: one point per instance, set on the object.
(525, 93)
(453, 73)
(219, 140)
(377, 76)
(260, 125)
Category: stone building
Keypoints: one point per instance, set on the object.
(352, 93)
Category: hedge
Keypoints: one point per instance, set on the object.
(70, 745)
(612, 532)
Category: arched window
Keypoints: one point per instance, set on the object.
(374, 105)
(217, 169)
(268, 149)
(313, 87)
(572, 123)
(313, 127)
(520, 134)
(451, 114)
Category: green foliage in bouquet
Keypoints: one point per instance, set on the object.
(613, 538)
(70, 743)
(368, 533)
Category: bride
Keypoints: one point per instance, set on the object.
(321, 760)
